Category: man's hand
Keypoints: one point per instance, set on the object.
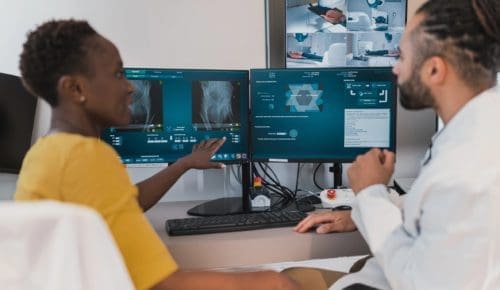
(327, 222)
(373, 167)
(202, 154)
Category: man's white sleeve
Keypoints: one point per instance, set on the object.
(446, 245)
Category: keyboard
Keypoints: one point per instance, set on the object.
(232, 223)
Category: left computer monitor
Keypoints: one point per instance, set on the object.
(172, 109)
(17, 116)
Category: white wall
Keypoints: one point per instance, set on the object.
(149, 33)
(226, 34)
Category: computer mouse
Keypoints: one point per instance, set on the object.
(341, 207)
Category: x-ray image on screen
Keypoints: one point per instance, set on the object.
(146, 106)
(215, 105)
(304, 98)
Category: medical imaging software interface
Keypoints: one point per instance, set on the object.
(321, 114)
(174, 109)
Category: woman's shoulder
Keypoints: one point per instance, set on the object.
(66, 146)
(67, 142)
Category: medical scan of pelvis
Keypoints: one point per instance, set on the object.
(216, 107)
(141, 102)
(146, 106)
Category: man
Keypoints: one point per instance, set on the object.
(446, 235)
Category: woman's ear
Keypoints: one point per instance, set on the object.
(69, 88)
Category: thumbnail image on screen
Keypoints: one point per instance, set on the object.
(338, 33)
(146, 107)
(172, 109)
(328, 115)
(216, 104)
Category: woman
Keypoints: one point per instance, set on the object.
(79, 73)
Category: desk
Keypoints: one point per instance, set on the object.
(248, 247)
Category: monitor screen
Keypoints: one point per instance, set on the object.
(172, 109)
(321, 115)
(17, 116)
(337, 33)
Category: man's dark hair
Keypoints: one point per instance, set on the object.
(464, 32)
(53, 49)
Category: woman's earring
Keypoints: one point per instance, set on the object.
(82, 99)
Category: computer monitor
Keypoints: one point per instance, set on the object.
(172, 109)
(334, 33)
(17, 116)
(321, 115)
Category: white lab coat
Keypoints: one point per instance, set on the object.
(447, 235)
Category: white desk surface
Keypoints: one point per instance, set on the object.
(246, 248)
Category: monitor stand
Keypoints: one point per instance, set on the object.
(336, 169)
(220, 206)
(228, 205)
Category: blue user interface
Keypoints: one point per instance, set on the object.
(324, 115)
(174, 109)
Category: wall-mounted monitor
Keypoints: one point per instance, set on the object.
(334, 33)
(172, 109)
(321, 115)
(17, 116)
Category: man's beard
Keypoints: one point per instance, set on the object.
(414, 95)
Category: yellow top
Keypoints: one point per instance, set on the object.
(87, 171)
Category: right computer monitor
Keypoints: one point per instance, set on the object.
(321, 115)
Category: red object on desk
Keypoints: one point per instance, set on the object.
(331, 194)
(257, 182)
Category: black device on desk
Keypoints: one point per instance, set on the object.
(17, 117)
(232, 223)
